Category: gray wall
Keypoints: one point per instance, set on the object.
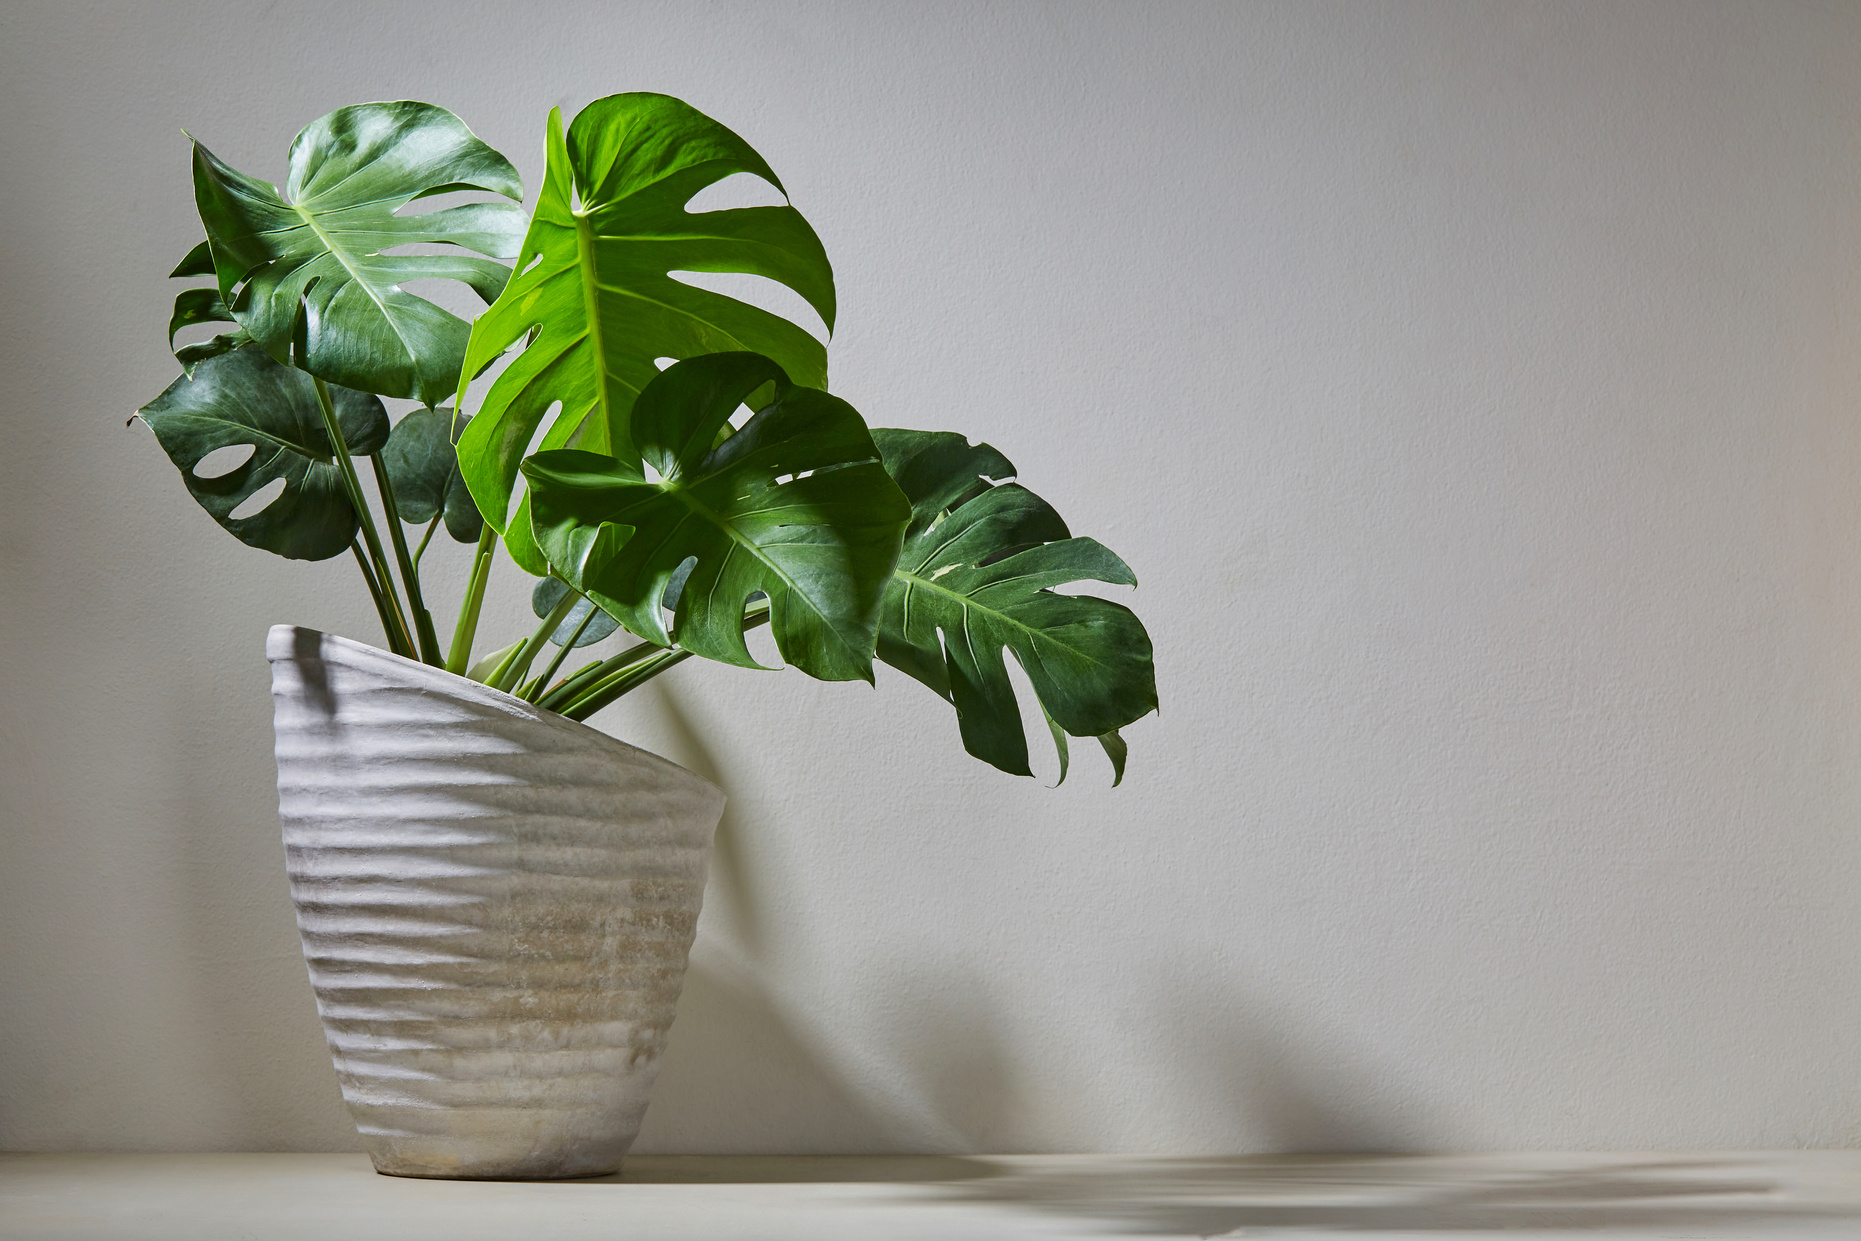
(1475, 389)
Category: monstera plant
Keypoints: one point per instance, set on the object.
(664, 459)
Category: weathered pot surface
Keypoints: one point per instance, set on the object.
(496, 904)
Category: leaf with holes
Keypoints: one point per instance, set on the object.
(594, 305)
(976, 577)
(242, 398)
(423, 469)
(196, 306)
(795, 505)
(314, 260)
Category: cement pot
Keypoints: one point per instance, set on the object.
(496, 904)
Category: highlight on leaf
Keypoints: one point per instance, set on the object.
(594, 305)
(310, 265)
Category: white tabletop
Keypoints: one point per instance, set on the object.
(903, 1198)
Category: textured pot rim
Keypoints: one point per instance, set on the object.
(283, 642)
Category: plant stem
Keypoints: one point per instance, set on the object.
(507, 676)
(374, 589)
(624, 681)
(410, 573)
(400, 638)
(588, 691)
(460, 657)
(573, 688)
(420, 551)
(561, 654)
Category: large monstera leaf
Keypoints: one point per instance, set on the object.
(976, 578)
(319, 251)
(795, 505)
(594, 304)
(241, 398)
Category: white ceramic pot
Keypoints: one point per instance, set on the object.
(496, 904)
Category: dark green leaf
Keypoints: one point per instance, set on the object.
(548, 593)
(593, 302)
(197, 262)
(243, 397)
(196, 306)
(423, 469)
(975, 578)
(320, 250)
(795, 505)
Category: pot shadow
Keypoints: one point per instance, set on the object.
(733, 1054)
(732, 1051)
(731, 884)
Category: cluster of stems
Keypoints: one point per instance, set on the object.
(578, 695)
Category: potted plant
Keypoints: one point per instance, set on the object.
(496, 900)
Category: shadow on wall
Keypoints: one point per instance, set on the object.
(734, 1052)
(952, 1082)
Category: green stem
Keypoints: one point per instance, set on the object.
(400, 638)
(562, 653)
(587, 692)
(410, 573)
(572, 688)
(510, 672)
(374, 590)
(622, 682)
(460, 657)
(420, 551)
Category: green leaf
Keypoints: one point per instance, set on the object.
(423, 469)
(795, 505)
(319, 252)
(548, 593)
(593, 303)
(976, 577)
(243, 397)
(195, 306)
(196, 262)
(1115, 750)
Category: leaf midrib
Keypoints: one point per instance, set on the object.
(355, 274)
(591, 310)
(684, 496)
(969, 605)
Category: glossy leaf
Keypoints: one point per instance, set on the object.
(423, 469)
(548, 592)
(196, 306)
(315, 259)
(976, 578)
(795, 505)
(593, 303)
(243, 397)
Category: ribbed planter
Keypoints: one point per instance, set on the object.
(496, 904)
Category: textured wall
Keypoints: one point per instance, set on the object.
(1475, 389)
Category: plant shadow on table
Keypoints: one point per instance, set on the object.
(1215, 1197)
